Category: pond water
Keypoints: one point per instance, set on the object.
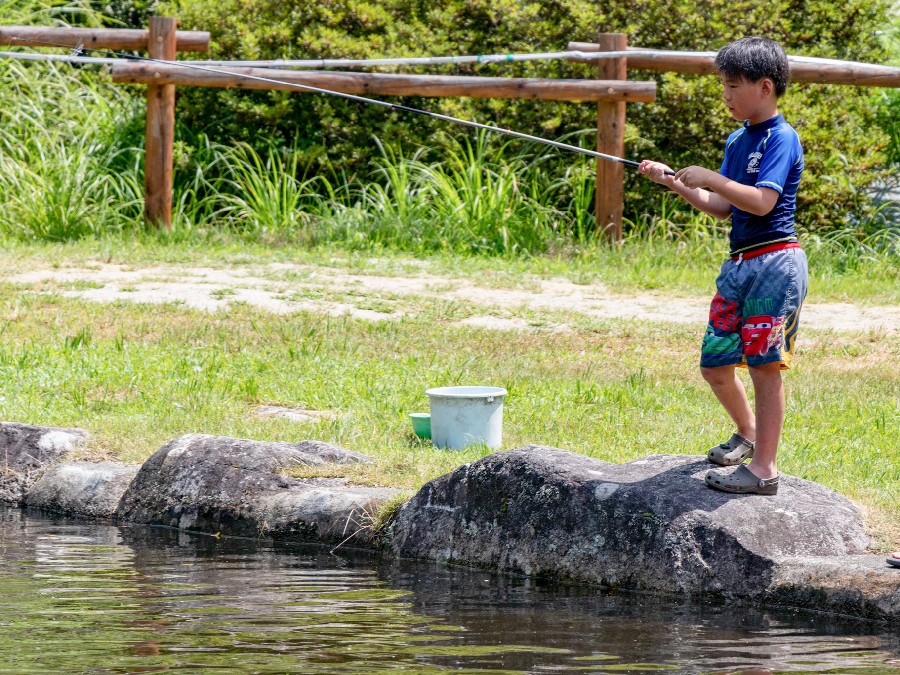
(78, 597)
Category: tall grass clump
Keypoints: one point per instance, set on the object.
(396, 202)
(270, 193)
(574, 191)
(63, 140)
(479, 203)
(479, 198)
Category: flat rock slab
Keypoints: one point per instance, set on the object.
(651, 524)
(863, 586)
(233, 486)
(82, 488)
(295, 414)
(26, 450)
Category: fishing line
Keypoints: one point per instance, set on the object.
(79, 51)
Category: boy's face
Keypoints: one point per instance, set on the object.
(748, 100)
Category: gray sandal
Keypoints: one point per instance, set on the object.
(733, 451)
(741, 481)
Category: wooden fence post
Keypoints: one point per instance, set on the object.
(610, 195)
(160, 136)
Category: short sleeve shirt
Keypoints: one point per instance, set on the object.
(765, 155)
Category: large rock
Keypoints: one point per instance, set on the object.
(650, 524)
(82, 488)
(26, 450)
(233, 486)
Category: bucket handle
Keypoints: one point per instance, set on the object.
(489, 399)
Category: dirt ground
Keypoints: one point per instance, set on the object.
(283, 288)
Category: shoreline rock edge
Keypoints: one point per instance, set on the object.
(648, 525)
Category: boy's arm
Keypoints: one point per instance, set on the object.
(709, 202)
(758, 201)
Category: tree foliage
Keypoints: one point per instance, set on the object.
(687, 124)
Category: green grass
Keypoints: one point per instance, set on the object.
(138, 376)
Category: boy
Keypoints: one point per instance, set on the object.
(754, 315)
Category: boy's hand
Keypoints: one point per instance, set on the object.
(689, 183)
(656, 171)
(696, 176)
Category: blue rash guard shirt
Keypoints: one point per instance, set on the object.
(767, 155)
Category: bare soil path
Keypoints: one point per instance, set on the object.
(285, 288)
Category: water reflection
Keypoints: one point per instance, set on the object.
(81, 597)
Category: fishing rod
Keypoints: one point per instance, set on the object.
(485, 59)
(79, 51)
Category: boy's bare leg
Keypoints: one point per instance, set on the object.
(768, 391)
(729, 389)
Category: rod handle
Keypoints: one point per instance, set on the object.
(636, 164)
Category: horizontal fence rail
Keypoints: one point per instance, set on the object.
(130, 39)
(803, 69)
(387, 84)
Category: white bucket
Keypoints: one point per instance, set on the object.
(462, 416)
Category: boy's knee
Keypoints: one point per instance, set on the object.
(766, 373)
(718, 374)
(773, 368)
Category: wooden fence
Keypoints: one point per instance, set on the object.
(611, 94)
(162, 41)
(611, 91)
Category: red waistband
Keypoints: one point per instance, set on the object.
(762, 250)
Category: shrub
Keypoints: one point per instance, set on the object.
(887, 101)
(686, 125)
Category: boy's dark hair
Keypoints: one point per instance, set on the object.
(754, 58)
